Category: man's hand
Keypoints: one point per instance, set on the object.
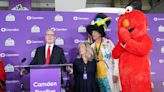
(69, 69)
(23, 71)
(123, 35)
(115, 79)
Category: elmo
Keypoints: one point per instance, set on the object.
(133, 50)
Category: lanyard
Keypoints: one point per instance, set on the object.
(85, 77)
(85, 68)
(98, 49)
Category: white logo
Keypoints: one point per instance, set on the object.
(12, 81)
(82, 29)
(33, 42)
(53, 28)
(80, 18)
(9, 30)
(9, 68)
(33, 53)
(35, 29)
(159, 39)
(2, 55)
(161, 61)
(28, 18)
(155, 18)
(75, 18)
(34, 18)
(3, 29)
(162, 49)
(10, 17)
(9, 42)
(158, 19)
(152, 73)
(28, 41)
(59, 41)
(79, 41)
(59, 29)
(161, 28)
(58, 18)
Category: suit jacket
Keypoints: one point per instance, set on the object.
(57, 56)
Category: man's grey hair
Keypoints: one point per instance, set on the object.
(50, 30)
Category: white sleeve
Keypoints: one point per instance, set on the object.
(116, 70)
(115, 61)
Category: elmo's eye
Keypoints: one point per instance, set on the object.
(129, 9)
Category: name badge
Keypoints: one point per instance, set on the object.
(85, 76)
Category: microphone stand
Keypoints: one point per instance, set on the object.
(21, 76)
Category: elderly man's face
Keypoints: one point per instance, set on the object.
(50, 37)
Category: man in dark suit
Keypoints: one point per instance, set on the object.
(49, 53)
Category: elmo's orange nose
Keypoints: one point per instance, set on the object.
(125, 23)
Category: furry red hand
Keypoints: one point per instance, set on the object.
(123, 35)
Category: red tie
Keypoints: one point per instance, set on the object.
(48, 56)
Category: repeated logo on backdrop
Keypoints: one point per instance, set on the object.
(34, 18)
(35, 29)
(78, 18)
(82, 29)
(58, 18)
(161, 28)
(21, 34)
(10, 17)
(9, 42)
(156, 30)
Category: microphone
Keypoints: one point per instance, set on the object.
(23, 60)
(20, 68)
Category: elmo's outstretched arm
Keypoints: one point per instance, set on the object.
(139, 48)
(117, 51)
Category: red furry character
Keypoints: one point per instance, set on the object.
(2, 76)
(133, 50)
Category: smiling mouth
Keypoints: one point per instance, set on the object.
(130, 30)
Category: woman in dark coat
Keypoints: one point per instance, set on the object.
(84, 70)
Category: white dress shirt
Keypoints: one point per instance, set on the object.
(51, 48)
